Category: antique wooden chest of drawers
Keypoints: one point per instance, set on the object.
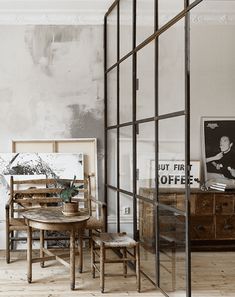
(212, 217)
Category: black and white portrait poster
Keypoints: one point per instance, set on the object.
(219, 150)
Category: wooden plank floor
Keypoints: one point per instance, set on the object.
(213, 275)
(53, 280)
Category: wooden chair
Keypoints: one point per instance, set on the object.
(96, 223)
(29, 194)
(109, 241)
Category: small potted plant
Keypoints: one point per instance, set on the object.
(70, 208)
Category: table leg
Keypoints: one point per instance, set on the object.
(80, 242)
(102, 261)
(124, 255)
(29, 254)
(41, 247)
(72, 259)
(137, 255)
(93, 258)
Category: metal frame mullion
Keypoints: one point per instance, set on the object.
(120, 190)
(157, 259)
(118, 117)
(105, 118)
(111, 7)
(172, 209)
(187, 150)
(146, 120)
(146, 199)
(134, 126)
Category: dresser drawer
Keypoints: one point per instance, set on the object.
(202, 227)
(224, 204)
(225, 227)
(204, 204)
(169, 199)
(171, 225)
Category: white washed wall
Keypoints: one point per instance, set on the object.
(212, 76)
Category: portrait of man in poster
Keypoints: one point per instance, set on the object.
(219, 150)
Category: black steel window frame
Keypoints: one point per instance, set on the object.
(134, 123)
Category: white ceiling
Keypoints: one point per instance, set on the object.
(53, 11)
(56, 4)
(84, 5)
(92, 11)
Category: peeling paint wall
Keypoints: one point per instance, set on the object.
(51, 84)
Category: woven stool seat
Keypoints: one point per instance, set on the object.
(114, 240)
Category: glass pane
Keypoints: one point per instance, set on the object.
(168, 10)
(126, 175)
(171, 174)
(112, 210)
(126, 91)
(146, 86)
(126, 19)
(172, 69)
(144, 20)
(172, 197)
(172, 139)
(146, 158)
(112, 97)
(112, 38)
(172, 251)
(126, 214)
(146, 227)
(112, 157)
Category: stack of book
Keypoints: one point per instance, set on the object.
(222, 187)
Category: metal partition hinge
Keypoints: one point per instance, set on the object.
(137, 174)
(137, 84)
(137, 128)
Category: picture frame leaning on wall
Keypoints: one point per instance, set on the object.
(218, 150)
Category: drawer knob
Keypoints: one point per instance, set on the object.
(228, 227)
(204, 204)
(200, 227)
(172, 228)
(218, 208)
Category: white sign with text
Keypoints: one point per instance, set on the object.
(172, 174)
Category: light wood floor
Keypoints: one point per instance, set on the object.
(213, 275)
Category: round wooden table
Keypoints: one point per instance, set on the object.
(53, 220)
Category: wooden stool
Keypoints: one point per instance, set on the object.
(114, 240)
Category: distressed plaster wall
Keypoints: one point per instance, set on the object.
(51, 84)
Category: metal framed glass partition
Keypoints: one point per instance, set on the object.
(147, 121)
